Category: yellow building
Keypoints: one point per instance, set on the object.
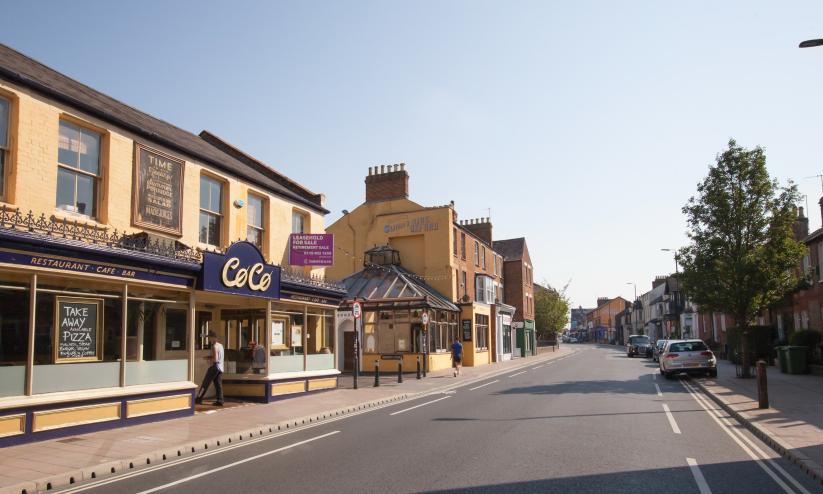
(454, 258)
(119, 253)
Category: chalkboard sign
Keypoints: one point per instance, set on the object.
(467, 329)
(158, 190)
(77, 330)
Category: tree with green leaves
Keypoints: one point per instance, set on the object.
(551, 310)
(742, 250)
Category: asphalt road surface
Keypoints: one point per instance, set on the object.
(594, 421)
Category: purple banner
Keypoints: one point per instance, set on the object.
(311, 249)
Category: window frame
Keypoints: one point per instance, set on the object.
(97, 179)
(476, 253)
(261, 229)
(483, 256)
(463, 245)
(220, 215)
(303, 220)
(5, 147)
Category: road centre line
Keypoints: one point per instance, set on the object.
(739, 439)
(702, 485)
(539, 366)
(659, 393)
(669, 416)
(518, 373)
(234, 464)
(486, 384)
(418, 406)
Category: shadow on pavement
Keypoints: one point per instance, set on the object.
(585, 387)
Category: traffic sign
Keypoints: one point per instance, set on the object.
(425, 318)
(356, 310)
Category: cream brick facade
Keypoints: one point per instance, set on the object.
(32, 179)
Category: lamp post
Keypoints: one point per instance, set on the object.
(676, 270)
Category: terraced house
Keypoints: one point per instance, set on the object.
(124, 241)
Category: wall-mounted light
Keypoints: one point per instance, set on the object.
(239, 203)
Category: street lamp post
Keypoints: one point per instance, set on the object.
(676, 270)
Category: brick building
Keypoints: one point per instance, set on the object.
(518, 273)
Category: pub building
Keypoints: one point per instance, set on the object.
(453, 258)
(106, 301)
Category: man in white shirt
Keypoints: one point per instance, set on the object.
(215, 372)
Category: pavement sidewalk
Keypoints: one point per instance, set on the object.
(793, 426)
(57, 463)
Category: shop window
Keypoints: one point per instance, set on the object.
(320, 340)
(298, 222)
(481, 324)
(176, 330)
(78, 169)
(211, 210)
(203, 324)
(5, 119)
(14, 337)
(242, 333)
(254, 229)
(507, 338)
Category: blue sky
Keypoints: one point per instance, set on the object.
(584, 126)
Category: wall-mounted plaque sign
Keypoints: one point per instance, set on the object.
(158, 190)
(467, 329)
(77, 325)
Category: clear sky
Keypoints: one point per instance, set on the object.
(584, 126)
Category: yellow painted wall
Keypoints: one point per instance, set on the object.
(32, 178)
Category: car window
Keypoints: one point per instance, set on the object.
(688, 346)
(639, 340)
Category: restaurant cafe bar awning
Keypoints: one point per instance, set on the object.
(102, 330)
(394, 301)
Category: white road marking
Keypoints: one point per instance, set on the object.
(659, 393)
(518, 373)
(234, 464)
(739, 439)
(539, 366)
(490, 382)
(418, 406)
(698, 476)
(669, 416)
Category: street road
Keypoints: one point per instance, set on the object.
(594, 421)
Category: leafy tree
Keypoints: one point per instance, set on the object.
(551, 310)
(742, 253)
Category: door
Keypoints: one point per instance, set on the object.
(348, 351)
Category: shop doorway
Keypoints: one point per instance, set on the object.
(244, 341)
(348, 351)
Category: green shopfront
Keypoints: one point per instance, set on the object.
(526, 338)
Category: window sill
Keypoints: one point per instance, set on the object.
(60, 215)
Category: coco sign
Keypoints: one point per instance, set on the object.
(240, 271)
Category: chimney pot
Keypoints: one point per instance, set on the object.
(382, 168)
(402, 166)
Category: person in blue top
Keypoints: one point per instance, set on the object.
(457, 356)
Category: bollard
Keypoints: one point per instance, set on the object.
(376, 373)
(762, 385)
(425, 359)
(400, 372)
(418, 367)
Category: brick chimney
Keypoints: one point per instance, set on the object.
(480, 228)
(801, 224)
(385, 183)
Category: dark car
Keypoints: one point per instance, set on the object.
(638, 345)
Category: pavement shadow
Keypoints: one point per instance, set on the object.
(584, 387)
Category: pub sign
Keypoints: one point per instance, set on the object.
(242, 270)
(158, 190)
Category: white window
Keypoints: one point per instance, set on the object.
(211, 210)
(78, 169)
(298, 222)
(484, 289)
(254, 229)
(5, 115)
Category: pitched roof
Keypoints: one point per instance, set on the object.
(511, 249)
(24, 71)
(393, 286)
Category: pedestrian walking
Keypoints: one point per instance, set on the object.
(457, 356)
(215, 372)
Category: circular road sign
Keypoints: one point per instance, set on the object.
(356, 310)
(425, 318)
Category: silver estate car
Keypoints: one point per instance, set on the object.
(689, 356)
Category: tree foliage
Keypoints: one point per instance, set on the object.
(742, 251)
(551, 310)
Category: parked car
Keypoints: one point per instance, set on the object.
(638, 344)
(572, 340)
(658, 348)
(687, 356)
